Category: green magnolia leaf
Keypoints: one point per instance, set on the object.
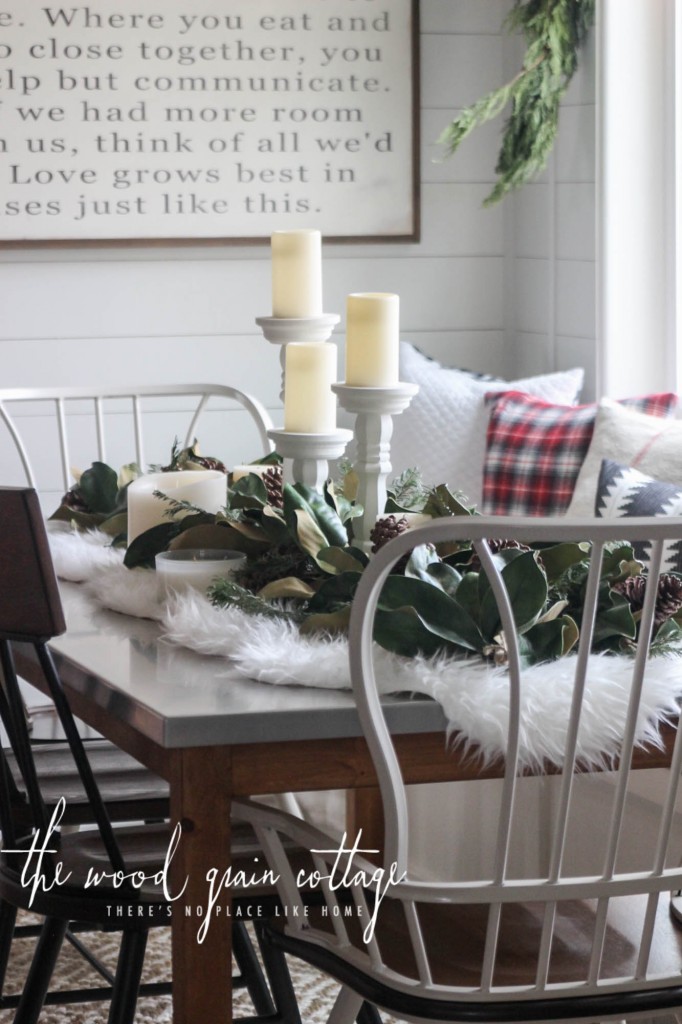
(271, 523)
(324, 514)
(83, 520)
(560, 557)
(327, 622)
(335, 560)
(127, 474)
(554, 611)
(345, 509)
(247, 529)
(546, 641)
(350, 485)
(442, 502)
(271, 459)
(335, 592)
(467, 593)
(403, 631)
(447, 578)
(441, 614)
(308, 534)
(99, 487)
(147, 545)
(616, 559)
(421, 558)
(248, 492)
(226, 536)
(287, 587)
(526, 585)
(614, 617)
(115, 525)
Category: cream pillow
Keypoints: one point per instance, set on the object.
(649, 443)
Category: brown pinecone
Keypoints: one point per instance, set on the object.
(386, 529)
(495, 545)
(668, 600)
(274, 485)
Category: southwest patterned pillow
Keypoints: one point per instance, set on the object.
(535, 450)
(623, 491)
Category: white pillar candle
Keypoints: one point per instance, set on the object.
(309, 402)
(296, 273)
(372, 339)
(205, 488)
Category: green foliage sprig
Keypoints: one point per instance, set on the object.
(555, 30)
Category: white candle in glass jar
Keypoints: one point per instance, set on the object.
(296, 273)
(194, 569)
(372, 339)
(309, 402)
(205, 488)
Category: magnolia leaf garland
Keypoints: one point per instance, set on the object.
(555, 31)
(302, 566)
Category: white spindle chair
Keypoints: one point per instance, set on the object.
(47, 432)
(115, 424)
(566, 944)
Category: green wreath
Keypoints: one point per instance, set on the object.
(555, 31)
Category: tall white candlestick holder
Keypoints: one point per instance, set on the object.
(374, 409)
(309, 454)
(284, 330)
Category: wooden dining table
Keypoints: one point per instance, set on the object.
(213, 735)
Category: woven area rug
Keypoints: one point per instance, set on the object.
(315, 993)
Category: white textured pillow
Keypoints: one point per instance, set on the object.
(651, 444)
(442, 433)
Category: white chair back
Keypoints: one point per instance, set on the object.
(559, 943)
(557, 887)
(50, 430)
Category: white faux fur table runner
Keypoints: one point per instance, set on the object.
(474, 695)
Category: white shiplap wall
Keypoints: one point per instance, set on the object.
(551, 307)
(503, 290)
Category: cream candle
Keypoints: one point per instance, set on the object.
(194, 569)
(296, 273)
(372, 339)
(309, 402)
(205, 488)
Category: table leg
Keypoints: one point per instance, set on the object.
(364, 811)
(201, 794)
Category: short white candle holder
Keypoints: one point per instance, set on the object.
(284, 330)
(374, 409)
(309, 454)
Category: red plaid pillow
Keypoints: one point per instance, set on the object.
(535, 450)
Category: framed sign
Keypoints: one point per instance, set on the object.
(137, 120)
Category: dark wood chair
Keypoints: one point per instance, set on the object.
(32, 811)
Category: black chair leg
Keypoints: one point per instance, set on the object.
(280, 979)
(128, 974)
(8, 917)
(250, 971)
(41, 970)
(368, 1014)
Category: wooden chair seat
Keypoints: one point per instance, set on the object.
(129, 790)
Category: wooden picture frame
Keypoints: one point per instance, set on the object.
(144, 122)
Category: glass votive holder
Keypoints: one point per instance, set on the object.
(194, 569)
